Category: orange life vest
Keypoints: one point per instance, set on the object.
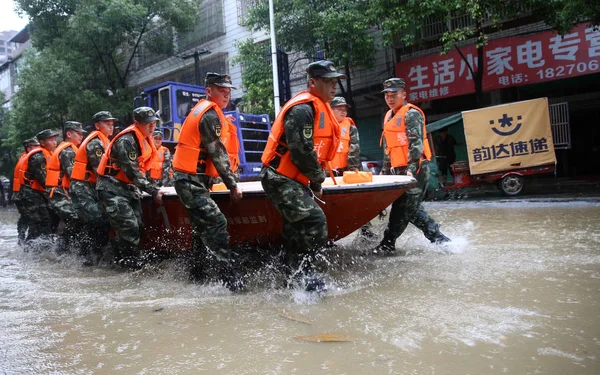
(233, 147)
(341, 156)
(32, 182)
(147, 148)
(157, 166)
(325, 134)
(80, 167)
(17, 173)
(189, 154)
(394, 131)
(54, 177)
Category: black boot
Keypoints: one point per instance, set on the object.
(231, 277)
(306, 276)
(130, 263)
(128, 257)
(367, 233)
(440, 238)
(314, 283)
(234, 280)
(386, 247)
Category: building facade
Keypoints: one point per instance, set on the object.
(215, 36)
(525, 60)
(9, 69)
(6, 47)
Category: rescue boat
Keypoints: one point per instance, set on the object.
(254, 221)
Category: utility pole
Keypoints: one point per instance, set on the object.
(274, 58)
(196, 55)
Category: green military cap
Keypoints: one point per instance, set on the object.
(157, 133)
(103, 116)
(339, 101)
(46, 133)
(323, 69)
(31, 141)
(393, 84)
(222, 80)
(74, 125)
(144, 114)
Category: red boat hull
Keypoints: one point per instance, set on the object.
(255, 222)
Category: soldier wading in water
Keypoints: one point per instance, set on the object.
(303, 139)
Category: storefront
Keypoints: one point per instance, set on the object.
(565, 69)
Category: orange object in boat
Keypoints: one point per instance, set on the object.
(357, 177)
(218, 187)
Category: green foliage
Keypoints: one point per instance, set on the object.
(109, 33)
(50, 93)
(562, 15)
(337, 27)
(401, 25)
(256, 76)
(6, 156)
(83, 57)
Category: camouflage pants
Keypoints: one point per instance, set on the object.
(23, 221)
(304, 223)
(34, 207)
(62, 206)
(125, 216)
(95, 224)
(209, 225)
(409, 209)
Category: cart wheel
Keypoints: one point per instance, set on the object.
(511, 185)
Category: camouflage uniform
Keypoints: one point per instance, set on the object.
(409, 208)
(34, 203)
(23, 221)
(122, 202)
(354, 162)
(61, 204)
(304, 223)
(96, 227)
(209, 225)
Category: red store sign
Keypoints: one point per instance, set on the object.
(513, 61)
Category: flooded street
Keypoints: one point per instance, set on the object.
(516, 292)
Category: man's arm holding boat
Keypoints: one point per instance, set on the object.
(126, 152)
(354, 163)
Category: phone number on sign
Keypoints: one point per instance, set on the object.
(567, 70)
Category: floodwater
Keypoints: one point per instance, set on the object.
(516, 292)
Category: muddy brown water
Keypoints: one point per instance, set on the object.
(516, 292)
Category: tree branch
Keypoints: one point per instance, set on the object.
(465, 60)
(99, 53)
(135, 47)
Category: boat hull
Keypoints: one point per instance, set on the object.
(254, 221)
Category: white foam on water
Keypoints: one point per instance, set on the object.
(559, 353)
(516, 203)
(474, 296)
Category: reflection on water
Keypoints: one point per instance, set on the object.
(516, 292)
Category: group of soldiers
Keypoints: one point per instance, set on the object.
(294, 169)
(94, 184)
(54, 183)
